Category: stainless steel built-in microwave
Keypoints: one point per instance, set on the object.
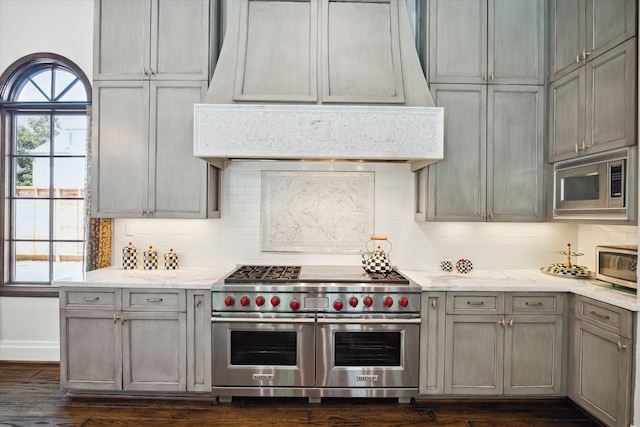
(599, 187)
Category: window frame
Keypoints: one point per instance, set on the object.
(9, 80)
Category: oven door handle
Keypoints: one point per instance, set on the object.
(289, 320)
(365, 321)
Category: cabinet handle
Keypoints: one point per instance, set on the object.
(584, 147)
(577, 149)
(433, 303)
(475, 302)
(91, 299)
(198, 302)
(154, 299)
(482, 215)
(124, 319)
(152, 71)
(534, 304)
(510, 323)
(577, 58)
(602, 316)
(501, 322)
(621, 346)
(145, 71)
(484, 76)
(490, 215)
(116, 318)
(491, 75)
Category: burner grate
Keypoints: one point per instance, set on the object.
(391, 277)
(264, 274)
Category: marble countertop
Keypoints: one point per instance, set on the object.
(182, 278)
(477, 280)
(521, 281)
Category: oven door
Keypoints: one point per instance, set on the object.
(254, 350)
(373, 351)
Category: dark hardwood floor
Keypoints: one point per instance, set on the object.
(30, 396)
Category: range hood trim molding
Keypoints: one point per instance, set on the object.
(224, 132)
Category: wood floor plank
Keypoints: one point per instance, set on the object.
(30, 396)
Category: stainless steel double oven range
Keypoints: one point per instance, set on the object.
(315, 331)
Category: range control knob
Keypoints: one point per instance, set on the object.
(404, 302)
(353, 301)
(244, 301)
(368, 301)
(337, 304)
(228, 301)
(295, 305)
(275, 301)
(388, 301)
(260, 301)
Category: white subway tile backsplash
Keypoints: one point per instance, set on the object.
(235, 238)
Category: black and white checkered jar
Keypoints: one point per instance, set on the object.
(150, 259)
(129, 257)
(171, 260)
(464, 265)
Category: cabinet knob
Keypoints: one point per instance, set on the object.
(124, 319)
(116, 318)
(621, 346)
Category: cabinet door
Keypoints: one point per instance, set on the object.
(515, 153)
(611, 99)
(567, 116)
(199, 341)
(122, 39)
(458, 41)
(177, 179)
(457, 184)
(516, 42)
(180, 39)
(609, 23)
(533, 355)
(432, 333)
(120, 148)
(90, 350)
(474, 348)
(566, 36)
(154, 350)
(601, 373)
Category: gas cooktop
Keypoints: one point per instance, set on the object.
(311, 274)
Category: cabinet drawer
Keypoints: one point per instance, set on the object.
(522, 303)
(106, 299)
(608, 317)
(475, 303)
(154, 300)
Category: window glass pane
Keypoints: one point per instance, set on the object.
(43, 80)
(71, 137)
(69, 86)
(31, 219)
(32, 261)
(34, 135)
(69, 176)
(24, 182)
(68, 220)
(30, 93)
(68, 259)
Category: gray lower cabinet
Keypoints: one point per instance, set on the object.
(504, 343)
(134, 340)
(432, 334)
(593, 108)
(602, 359)
(493, 161)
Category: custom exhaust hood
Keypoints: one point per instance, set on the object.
(318, 80)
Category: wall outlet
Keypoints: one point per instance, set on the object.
(128, 230)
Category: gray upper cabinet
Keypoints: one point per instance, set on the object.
(486, 41)
(493, 162)
(151, 39)
(581, 30)
(593, 108)
(143, 165)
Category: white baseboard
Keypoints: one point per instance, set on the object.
(42, 351)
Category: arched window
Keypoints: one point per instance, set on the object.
(44, 101)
